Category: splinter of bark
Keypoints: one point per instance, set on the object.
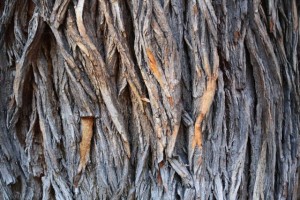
(85, 144)
(205, 104)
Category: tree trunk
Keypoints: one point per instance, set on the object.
(149, 99)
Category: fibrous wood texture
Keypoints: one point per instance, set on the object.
(149, 99)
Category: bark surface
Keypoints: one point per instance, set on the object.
(149, 99)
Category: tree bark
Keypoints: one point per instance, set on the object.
(155, 99)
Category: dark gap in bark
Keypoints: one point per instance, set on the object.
(127, 106)
(89, 20)
(133, 145)
(38, 140)
(169, 6)
(20, 132)
(268, 186)
(8, 39)
(177, 196)
(30, 9)
(93, 15)
(247, 169)
(283, 21)
(62, 158)
(132, 160)
(100, 31)
(277, 179)
(251, 79)
(151, 157)
(214, 109)
(117, 71)
(188, 105)
(177, 178)
(207, 41)
(51, 192)
(49, 39)
(253, 134)
(1, 8)
(17, 188)
(90, 165)
(225, 68)
(4, 24)
(227, 116)
(69, 93)
(265, 7)
(286, 6)
(129, 29)
(181, 144)
(64, 21)
(38, 189)
(131, 40)
(25, 110)
(184, 12)
(221, 31)
(139, 74)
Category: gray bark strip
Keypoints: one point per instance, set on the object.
(135, 99)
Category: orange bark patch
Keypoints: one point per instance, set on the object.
(237, 36)
(161, 164)
(271, 26)
(171, 102)
(208, 95)
(153, 66)
(159, 179)
(85, 144)
(198, 132)
(205, 104)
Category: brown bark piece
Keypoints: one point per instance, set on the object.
(85, 144)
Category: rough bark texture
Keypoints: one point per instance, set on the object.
(149, 99)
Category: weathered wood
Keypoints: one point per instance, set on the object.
(170, 99)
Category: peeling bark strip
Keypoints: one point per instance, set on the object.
(186, 99)
(85, 144)
(205, 104)
(153, 67)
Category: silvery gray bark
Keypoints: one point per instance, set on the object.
(149, 99)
